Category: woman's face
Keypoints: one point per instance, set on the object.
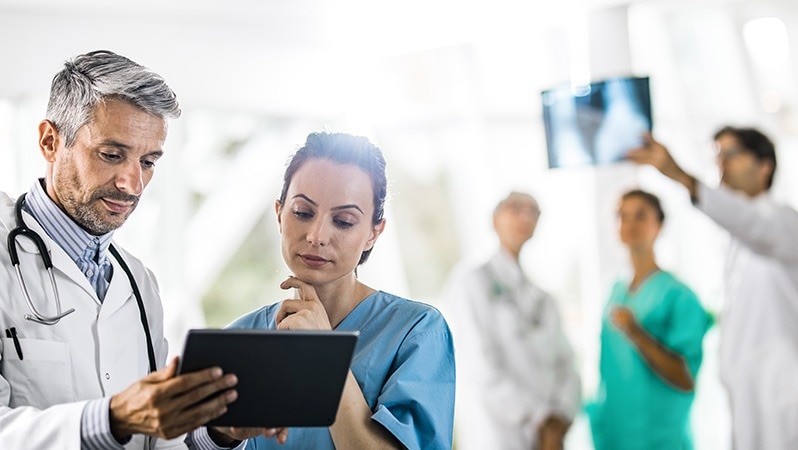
(325, 222)
(639, 224)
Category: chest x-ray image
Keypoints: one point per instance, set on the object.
(596, 123)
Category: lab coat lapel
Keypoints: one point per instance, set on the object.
(119, 290)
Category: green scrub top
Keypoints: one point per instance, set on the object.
(635, 409)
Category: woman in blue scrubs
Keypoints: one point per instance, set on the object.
(651, 335)
(400, 390)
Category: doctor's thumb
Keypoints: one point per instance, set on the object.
(165, 373)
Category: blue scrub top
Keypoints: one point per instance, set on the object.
(404, 364)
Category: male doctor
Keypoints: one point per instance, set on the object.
(518, 388)
(74, 368)
(759, 322)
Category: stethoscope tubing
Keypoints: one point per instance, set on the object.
(22, 230)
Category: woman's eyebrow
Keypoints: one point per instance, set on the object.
(352, 206)
(336, 208)
(306, 198)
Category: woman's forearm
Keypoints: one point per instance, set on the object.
(354, 428)
(669, 365)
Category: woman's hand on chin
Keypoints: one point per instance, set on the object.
(305, 313)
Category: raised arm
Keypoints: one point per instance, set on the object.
(766, 228)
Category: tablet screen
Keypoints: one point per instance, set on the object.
(285, 378)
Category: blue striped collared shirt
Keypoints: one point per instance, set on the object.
(89, 252)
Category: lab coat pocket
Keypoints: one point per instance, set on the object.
(42, 377)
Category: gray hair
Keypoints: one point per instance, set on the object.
(517, 195)
(89, 79)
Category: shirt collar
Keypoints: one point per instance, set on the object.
(61, 228)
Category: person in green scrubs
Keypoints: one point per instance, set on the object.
(652, 329)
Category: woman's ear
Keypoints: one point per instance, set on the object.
(48, 140)
(277, 210)
(376, 231)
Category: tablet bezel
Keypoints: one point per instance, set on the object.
(285, 378)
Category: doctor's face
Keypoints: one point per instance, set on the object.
(326, 221)
(515, 221)
(739, 168)
(99, 180)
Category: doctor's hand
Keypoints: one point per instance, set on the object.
(304, 313)
(551, 433)
(228, 436)
(165, 405)
(655, 154)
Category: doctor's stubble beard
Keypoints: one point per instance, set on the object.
(89, 216)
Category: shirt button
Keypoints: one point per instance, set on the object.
(90, 273)
(107, 376)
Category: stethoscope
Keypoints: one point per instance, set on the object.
(35, 316)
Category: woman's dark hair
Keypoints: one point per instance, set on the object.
(755, 142)
(344, 148)
(651, 199)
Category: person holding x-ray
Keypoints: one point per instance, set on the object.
(82, 318)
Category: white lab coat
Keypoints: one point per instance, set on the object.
(514, 364)
(759, 320)
(98, 350)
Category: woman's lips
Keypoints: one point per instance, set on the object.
(313, 260)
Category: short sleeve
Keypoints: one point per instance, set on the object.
(689, 322)
(416, 403)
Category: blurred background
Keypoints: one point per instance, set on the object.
(451, 91)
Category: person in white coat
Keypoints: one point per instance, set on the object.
(517, 383)
(80, 338)
(759, 320)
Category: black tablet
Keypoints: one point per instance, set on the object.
(285, 378)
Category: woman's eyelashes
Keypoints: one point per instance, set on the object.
(342, 223)
(339, 221)
(302, 214)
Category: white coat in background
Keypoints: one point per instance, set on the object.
(514, 364)
(759, 320)
(98, 350)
